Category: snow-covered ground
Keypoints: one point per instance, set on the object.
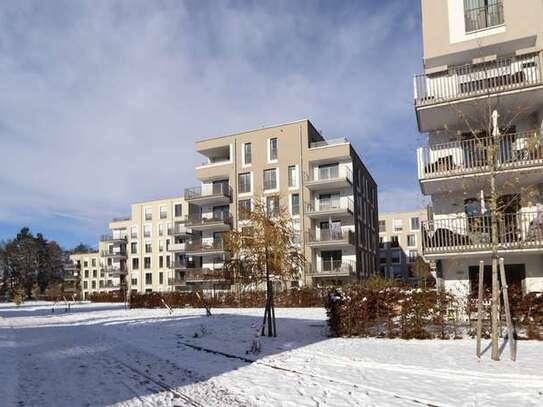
(102, 354)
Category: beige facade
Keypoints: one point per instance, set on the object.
(400, 242)
(482, 56)
(92, 274)
(331, 196)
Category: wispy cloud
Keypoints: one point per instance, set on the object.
(102, 100)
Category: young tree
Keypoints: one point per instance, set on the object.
(264, 251)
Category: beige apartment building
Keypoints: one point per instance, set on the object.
(328, 191)
(400, 242)
(482, 56)
(93, 278)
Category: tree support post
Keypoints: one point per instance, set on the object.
(510, 333)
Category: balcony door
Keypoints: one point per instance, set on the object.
(330, 230)
(221, 212)
(328, 171)
(220, 187)
(329, 201)
(331, 260)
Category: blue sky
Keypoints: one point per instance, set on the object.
(102, 101)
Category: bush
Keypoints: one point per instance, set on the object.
(106, 297)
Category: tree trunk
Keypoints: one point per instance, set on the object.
(494, 226)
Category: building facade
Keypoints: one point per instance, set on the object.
(400, 242)
(482, 56)
(328, 191)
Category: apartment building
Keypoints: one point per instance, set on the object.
(482, 56)
(400, 242)
(328, 191)
(93, 278)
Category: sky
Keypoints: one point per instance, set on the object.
(101, 102)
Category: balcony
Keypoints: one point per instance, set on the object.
(446, 236)
(216, 222)
(333, 269)
(521, 151)
(179, 229)
(331, 142)
(176, 281)
(177, 247)
(329, 178)
(206, 275)
(115, 271)
(328, 239)
(113, 254)
(321, 209)
(202, 248)
(113, 238)
(505, 77)
(208, 194)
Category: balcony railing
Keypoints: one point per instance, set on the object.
(518, 150)
(121, 219)
(330, 236)
(478, 79)
(331, 267)
(200, 220)
(111, 238)
(176, 281)
(205, 246)
(330, 174)
(208, 191)
(331, 142)
(206, 274)
(330, 205)
(109, 253)
(115, 271)
(522, 230)
(178, 229)
(479, 18)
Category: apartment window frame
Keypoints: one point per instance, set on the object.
(273, 150)
(395, 255)
(147, 230)
(397, 225)
(163, 212)
(148, 247)
(412, 255)
(265, 184)
(247, 155)
(417, 228)
(394, 241)
(134, 231)
(135, 263)
(134, 247)
(147, 263)
(178, 210)
(294, 209)
(411, 240)
(160, 228)
(148, 278)
(382, 226)
(272, 210)
(148, 213)
(241, 208)
(247, 183)
(481, 15)
(293, 177)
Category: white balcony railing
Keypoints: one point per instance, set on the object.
(332, 173)
(523, 230)
(517, 150)
(209, 190)
(478, 79)
(331, 142)
(321, 205)
(333, 267)
(330, 236)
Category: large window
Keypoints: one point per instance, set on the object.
(415, 223)
(146, 262)
(244, 206)
(481, 14)
(292, 176)
(148, 278)
(134, 247)
(295, 204)
(411, 240)
(397, 225)
(244, 181)
(135, 263)
(148, 247)
(178, 210)
(247, 154)
(272, 205)
(270, 179)
(147, 231)
(273, 146)
(133, 232)
(394, 241)
(163, 212)
(148, 213)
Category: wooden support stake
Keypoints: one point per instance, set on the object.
(480, 307)
(510, 333)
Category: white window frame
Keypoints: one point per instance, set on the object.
(242, 194)
(396, 222)
(238, 209)
(268, 143)
(290, 205)
(134, 228)
(243, 163)
(145, 211)
(277, 178)
(297, 176)
(150, 227)
(415, 238)
(411, 223)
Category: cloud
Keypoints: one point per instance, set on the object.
(102, 101)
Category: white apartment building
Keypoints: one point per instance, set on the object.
(400, 242)
(482, 56)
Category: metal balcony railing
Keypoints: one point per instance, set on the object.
(479, 18)
(524, 149)
(205, 246)
(208, 191)
(331, 142)
(111, 238)
(109, 253)
(331, 236)
(344, 267)
(523, 230)
(478, 79)
(330, 205)
(330, 174)
(206, 274)
(121, 219)
(200, 220)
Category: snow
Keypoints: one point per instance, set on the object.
(103, 354)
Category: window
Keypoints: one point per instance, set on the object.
(93, 284)
(395, 257)
(394, 241)
(148, 278)
(94, 274)
(146, 262)
(244, 206)
(415, 223)
(178, 210)
(413, 254)
(481, 14)
(397, 225)
(160, 262)
(85, 285)
(85, 264)
(163, 212)
(134, 247)
(244, 182)
(135, 263)
(148, 247)
(86, 273)
(272, 149)
(328, 171)
(381, 243)
(147, 231)
(247, 154)
(295, 204)
(93, 262)
(382, 226)
(270, 179)
(272, 205)
(411, 240)
(148, 213)
(168, 261)
(160, 245)
(161, 229)
(160, 278)
(134, 232)
(134, 281)
(292, 176)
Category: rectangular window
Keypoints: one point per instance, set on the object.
(397, 225)
(148, 213)
(272, 205)
(85, 285)
(160, 245)
(273, 149)
(178, 210)
(134, 281)
(148, 247)
(93, 262)
(481, 14)
(168, 261)
(244, 182)
(413, 254)
(411, 240)
(395, 257)
(135, 263)
(85, 264)
(148, 278)
(292, 176)
(381, 243)
(328, 171)
(247, 154)
(94, 274)
(147, 231)
(86, 273)
(270, 179)
(147, 263)
(163, 212)
(94, 284)
(134, 232)
(415, 223)
(134, 247)
(394, 241)
(160, 278)
(382, 226)
(244, 206)
(161, 229)
(160, 261)
(295, 204)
